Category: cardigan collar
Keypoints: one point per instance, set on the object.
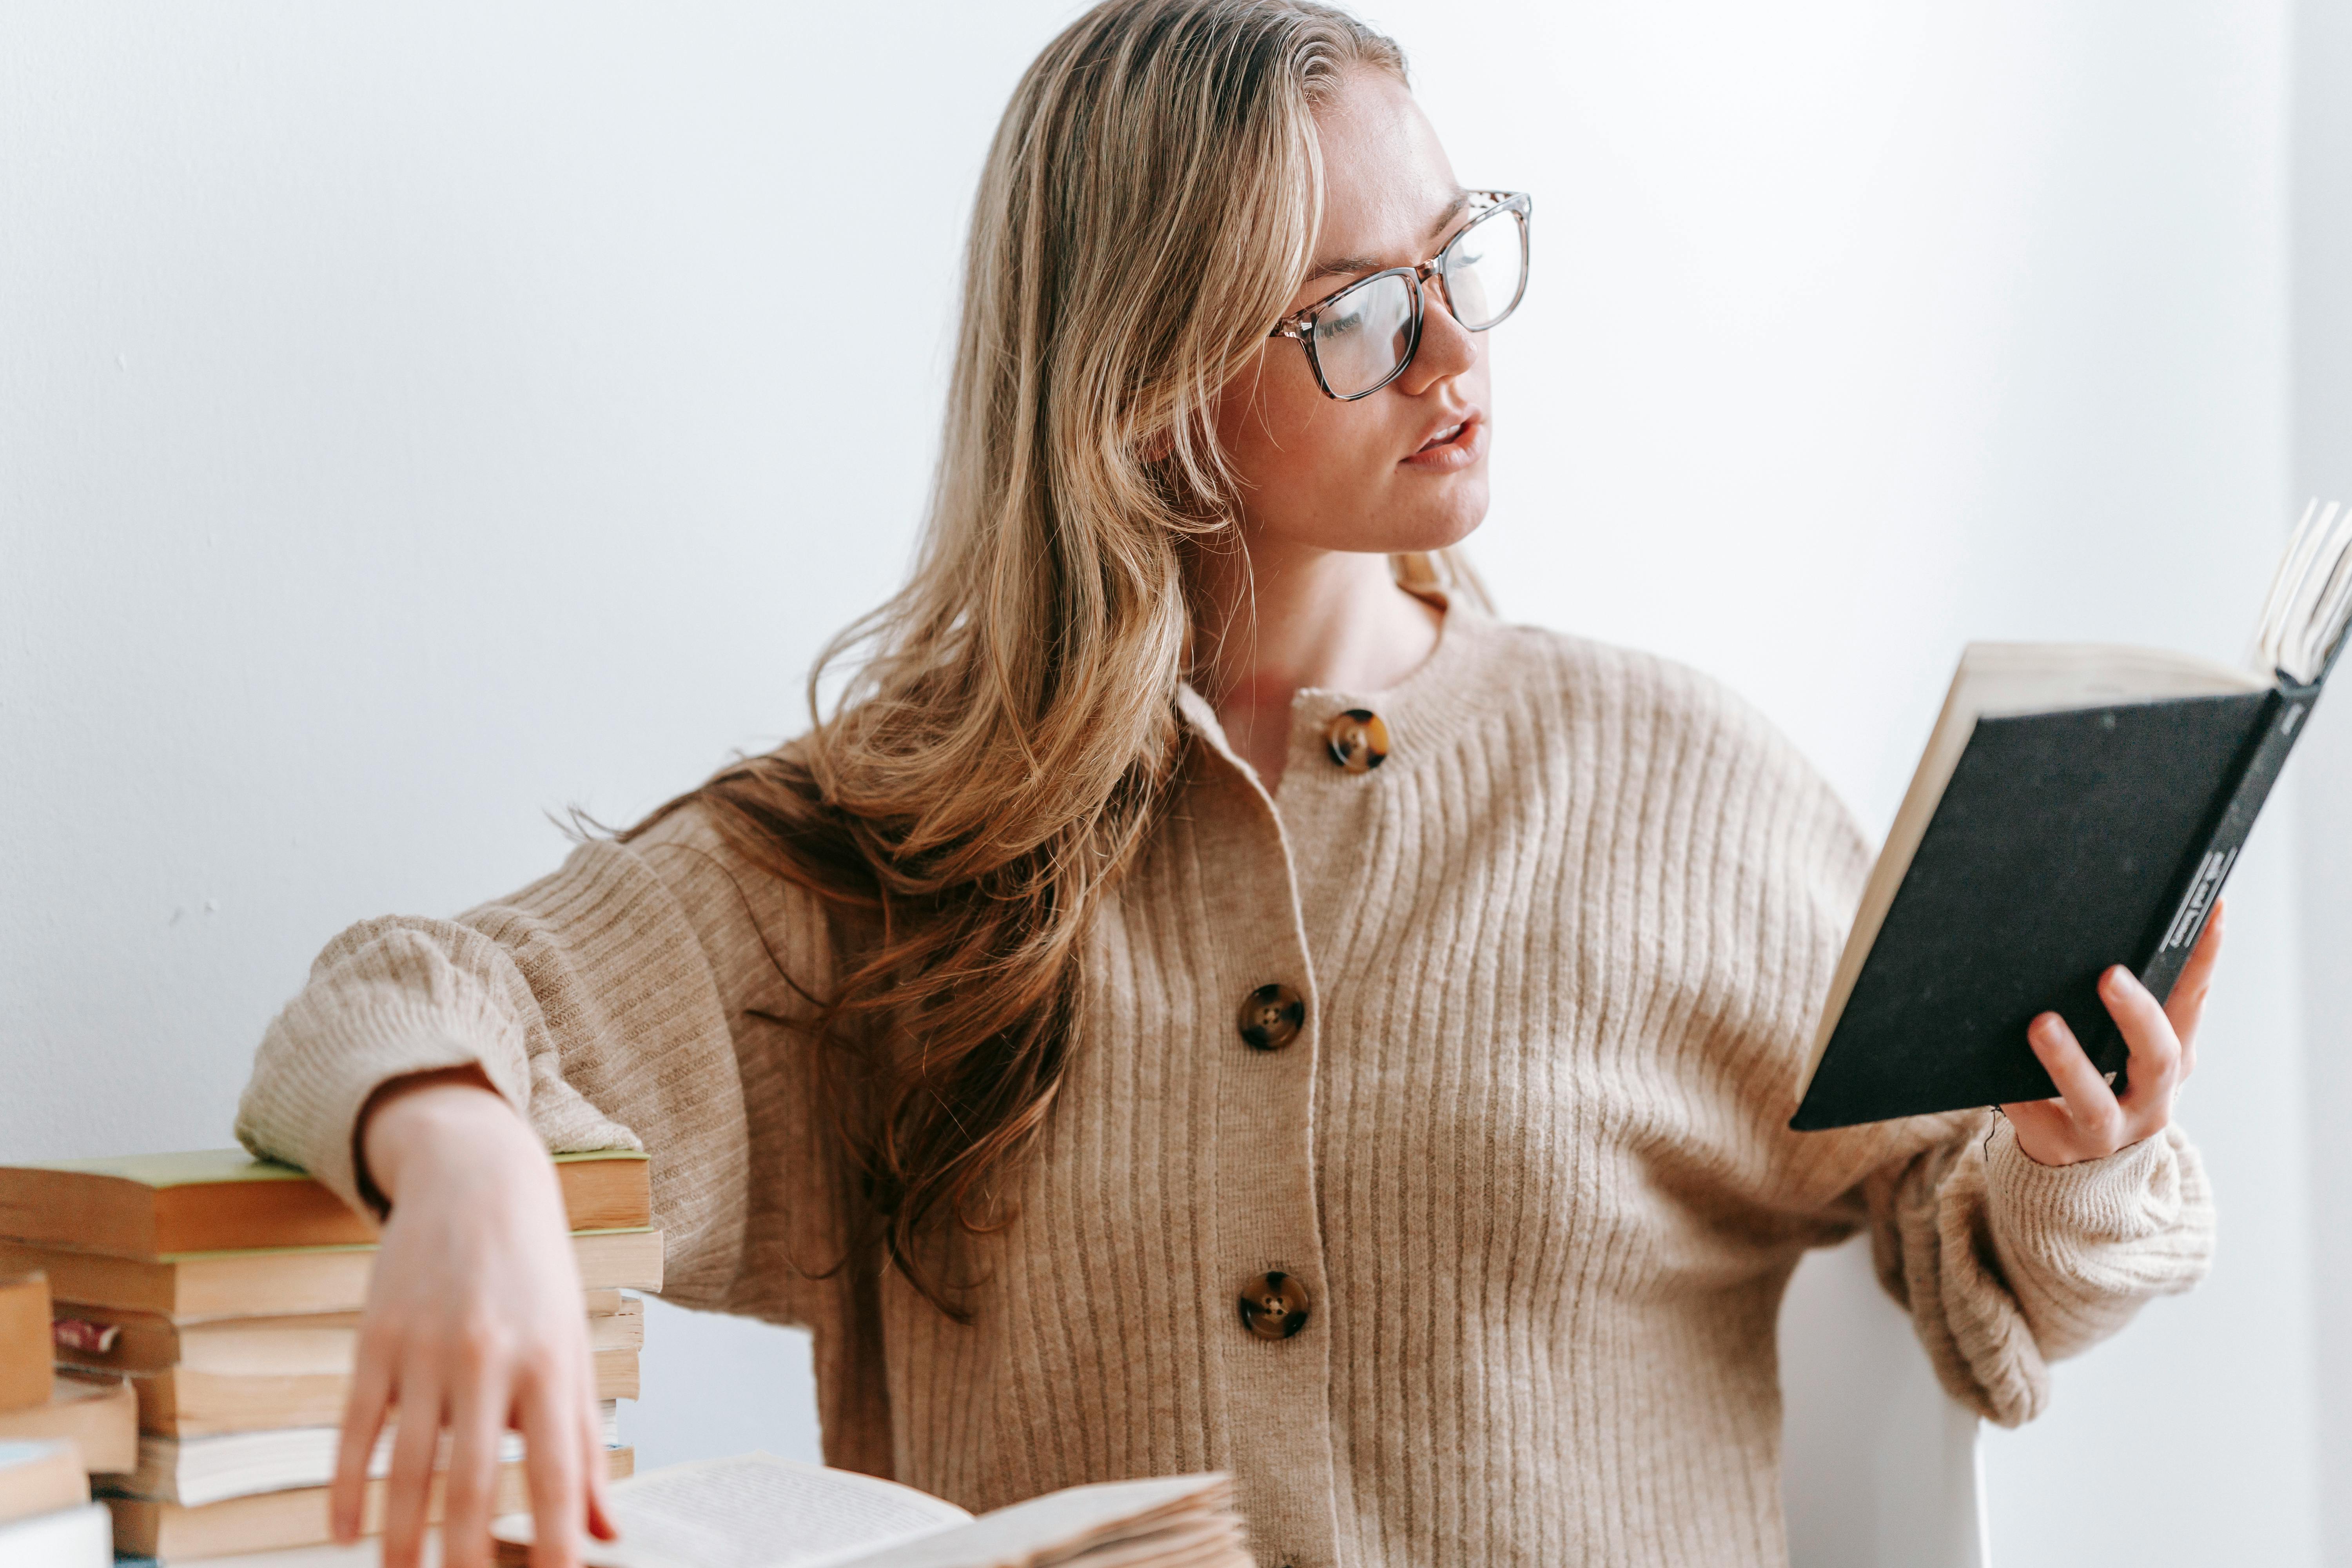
(1422, 711)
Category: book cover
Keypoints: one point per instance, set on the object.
(224, 1200)
(2063, 843)
(260, 1281)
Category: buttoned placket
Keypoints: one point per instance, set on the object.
(1272, 1287)
(1268, 1284)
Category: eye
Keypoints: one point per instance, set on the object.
(1350, 314)
(1340, 321)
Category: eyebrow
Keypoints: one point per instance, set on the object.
(1335, 265)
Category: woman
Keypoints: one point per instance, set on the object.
(1210, 996)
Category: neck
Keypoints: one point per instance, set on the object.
(1283, 618)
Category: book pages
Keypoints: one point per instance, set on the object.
(194, 1471)
(2302, 544)
(2310, 588)
(2333, 606)
(2310, 600)
(756, 1511)
(1161, 1523)
(753, 1510)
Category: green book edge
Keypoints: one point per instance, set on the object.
(204, 1167)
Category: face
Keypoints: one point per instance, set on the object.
(1404, 468)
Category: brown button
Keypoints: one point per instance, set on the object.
(1272, 1016)
(1358, 740)
(1274, 1305)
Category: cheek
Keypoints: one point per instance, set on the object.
(1298, 452)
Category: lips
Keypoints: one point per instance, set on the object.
(1460, 428)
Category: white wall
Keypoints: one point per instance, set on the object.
(2323, 462)
(415, 419)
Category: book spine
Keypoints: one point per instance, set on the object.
(2283, 724)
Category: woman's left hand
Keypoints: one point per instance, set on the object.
(2089, 1120)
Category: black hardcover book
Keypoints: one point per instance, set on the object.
(2077, 807)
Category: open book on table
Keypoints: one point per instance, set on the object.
(2076, 807)
(755, 1510)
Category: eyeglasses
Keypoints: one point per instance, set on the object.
(1361, 337)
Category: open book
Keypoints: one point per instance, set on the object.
(2076, 807)
(755, 1510)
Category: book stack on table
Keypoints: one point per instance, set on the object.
(207, 1306)
(47, 1520)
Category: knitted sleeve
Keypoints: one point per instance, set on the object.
(2007, 1265)
(616, 1003)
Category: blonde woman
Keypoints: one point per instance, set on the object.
(1210, 996)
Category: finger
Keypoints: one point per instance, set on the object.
(599, 1489)
(2043, 1130)
(2090, 1103)
(415, 1444)
(2186, 1005)
(2154, 1070)
(469, 1489)
(2049, 1118)
(364, 1414)
(551, 1457)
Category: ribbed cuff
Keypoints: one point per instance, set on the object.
(384, 1002)
(311, 1119)
(2148, 1199)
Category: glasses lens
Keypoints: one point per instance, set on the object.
(1486, 267)
(1362, 337)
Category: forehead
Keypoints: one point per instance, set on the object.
(1385, 174)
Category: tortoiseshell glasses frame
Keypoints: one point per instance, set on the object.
(1342, 311)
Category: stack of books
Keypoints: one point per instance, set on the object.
(214, 1299)
(47, 1520)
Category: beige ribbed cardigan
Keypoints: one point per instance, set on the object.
(1560, 957)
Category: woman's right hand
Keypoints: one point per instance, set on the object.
(475, 1323)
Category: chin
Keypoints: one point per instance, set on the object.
(1444, 520)
(1373, 523)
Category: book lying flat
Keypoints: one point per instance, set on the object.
(194, 1471)
(40, 1477)
(263, 1282)
(224, 1200)
(2075, 807)
(112, 1338)
(99, 1415)
(70, 1538)
(182, 1401)
(269, 1522)
(755, 1510)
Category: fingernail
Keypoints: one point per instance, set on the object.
(2043, 1030)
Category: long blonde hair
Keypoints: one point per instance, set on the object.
(1008, 732)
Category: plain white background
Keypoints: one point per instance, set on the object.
(417, 420)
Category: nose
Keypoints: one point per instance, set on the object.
(1446, 350)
